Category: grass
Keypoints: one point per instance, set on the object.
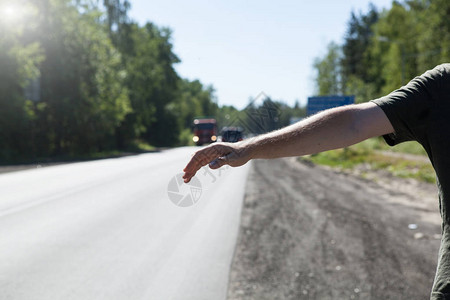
(186, 138)
(141, 146)
(371, 153)
(135, 147)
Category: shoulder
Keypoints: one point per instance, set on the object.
(443, 68)
(433, 85)
(439, 72)
(439, 79)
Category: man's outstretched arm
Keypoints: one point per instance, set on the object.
(334, 128)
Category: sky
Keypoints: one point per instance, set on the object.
(244, 48)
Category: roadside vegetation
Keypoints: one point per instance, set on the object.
(374, 154)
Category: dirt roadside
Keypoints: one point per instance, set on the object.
(308, 232)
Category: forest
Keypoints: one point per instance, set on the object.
(80, 78)
(383, 50)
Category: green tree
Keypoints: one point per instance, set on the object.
(433, 42)
(328, 70)
(152, 83)
(194, 100)
(397, 31)
(116, 16)
(81, 81)
(356, 43)
(356, 56)
(19, 64)
(228, 115)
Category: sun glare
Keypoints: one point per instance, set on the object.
(10, 12)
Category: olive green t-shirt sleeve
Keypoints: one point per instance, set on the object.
(408, 108)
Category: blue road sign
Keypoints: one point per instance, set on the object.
(316, 104)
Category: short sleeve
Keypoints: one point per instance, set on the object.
(408, 108)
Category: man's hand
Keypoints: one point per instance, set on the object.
(217, 155)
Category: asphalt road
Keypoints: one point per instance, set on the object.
(107, 229)
(311, 233)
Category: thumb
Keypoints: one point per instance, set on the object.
(223, 160)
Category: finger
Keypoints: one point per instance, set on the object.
(191, 168)
(187, 177)
(223, 160)
(199, 159)
(205, 156)
(219, 162)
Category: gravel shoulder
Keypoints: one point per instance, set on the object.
(309, 232)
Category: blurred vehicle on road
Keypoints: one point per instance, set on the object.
(205, 131)
(232, 134)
